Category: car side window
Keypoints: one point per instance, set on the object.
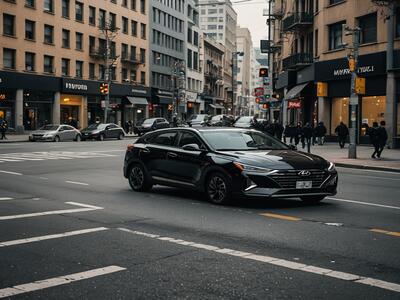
(190, 138)
(65, 128)
(164, 139)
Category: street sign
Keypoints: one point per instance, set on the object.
(360, 85)
(322, 89)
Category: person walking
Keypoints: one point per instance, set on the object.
(382, 137)
(320, 132)
(3, 129)
(307, 133)
(342, 132)
(278, 130)
(297, 133)
(374, 138)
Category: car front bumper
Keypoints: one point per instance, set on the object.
(41, 138)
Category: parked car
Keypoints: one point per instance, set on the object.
(150, 125)
(221, 120)
(198, 120)
(102, 131)
(243, 122)
(226, 162)
(56, 133)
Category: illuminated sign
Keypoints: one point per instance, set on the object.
(294, 104)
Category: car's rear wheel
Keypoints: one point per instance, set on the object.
(138, 179)
(57, 138)
(312, 199)
(218, 188)
(78, 138)
(121, 136)
(101, 137)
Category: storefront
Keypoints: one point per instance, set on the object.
(38, 108)
(7, 103)
(162, 102)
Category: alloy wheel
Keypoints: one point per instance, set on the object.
(136, 178)
(217, 189)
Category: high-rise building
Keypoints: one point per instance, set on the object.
(244, 48)
(52, 61)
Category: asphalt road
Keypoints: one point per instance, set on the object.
(71, 228)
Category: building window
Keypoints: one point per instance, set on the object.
(65, 9)
(8, 24)
(340, 112)
(48, 6)
(195, 61)
(113, 21)
(102, 72)
(65, 67)
(142, 55)
(368, 28)
(79, 11)
(29, 30)
(134, 28)
(79, 69)
(195, 38)
(9, 58)
(335, 36)
(189, 59)
(133, 4)
(125, 3)
(143, 31)
(30, 3)
(133, 75)
(124, 25)
(102, 18)
(212, 11)
(92, 44)
(92, 70)
(316, 43)
(143, 77)
(48, 34)
(48, 64)
(189, 35)
(79, 41)
(92, 15)
(143, 6)
(124, 73)
(373, 110)
(331, 2)
(65, 38)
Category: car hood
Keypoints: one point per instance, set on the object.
(42, 132)
(279, 159)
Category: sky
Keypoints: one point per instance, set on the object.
(250, 15)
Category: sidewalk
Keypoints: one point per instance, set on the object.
(390, 160)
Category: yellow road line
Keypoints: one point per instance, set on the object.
(393, 233)
(282, 217)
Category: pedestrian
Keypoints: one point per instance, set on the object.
(130, 126)
(278, 130)
(297, 133)
(382, 137)
(307, 133)
(3, 129)
(126, 126)
(320, 132)
(342, 132)
(374, 138)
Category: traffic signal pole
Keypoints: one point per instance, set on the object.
(107, 77)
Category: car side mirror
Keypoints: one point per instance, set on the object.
(191, 147)
(292, 147)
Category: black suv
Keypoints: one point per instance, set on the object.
(150, 124)
(223, 162)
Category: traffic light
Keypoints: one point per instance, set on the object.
(265, 106)
(263, 72)
(257, 100)
(267, 96)
(104, 88)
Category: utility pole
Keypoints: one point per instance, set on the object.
(178, 74)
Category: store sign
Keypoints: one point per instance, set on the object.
(294, 104)
(322, 89)
(360, 70)
(76, 87)
(136, 91)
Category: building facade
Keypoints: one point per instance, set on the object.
(52, 60)
(243, 92)
(308, 45)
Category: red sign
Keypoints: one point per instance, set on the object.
(259, 92)
(294, 104)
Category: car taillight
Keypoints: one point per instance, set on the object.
(130, 147)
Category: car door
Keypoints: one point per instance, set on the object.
(107, 131)
(69, 132)
(63, 133)
(114, 131)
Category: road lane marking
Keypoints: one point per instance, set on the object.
(5, 198)
(50, 236)
(85, 207)
(278, 262)
(282, 217)
(387, 232)
(76, 182)
(363, 203)
(11, 173)
(56, 281)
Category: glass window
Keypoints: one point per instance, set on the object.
(48, 34)
(134, 28)
(65, 67)
(30, 3)
(92, 15)
(335, 36)
(189, 138)
(195, 38)
(189, 59)
(9, 58)
(164, 139)
(48, 6)
(125, 3)
(8, 24)
(373, 110)
(48, 64)
(79, 40)
(29, 29)
(79, 69)
(143, 77)
(143, 6)
(29, 61)
(189, 35)
(65, 8)
(124, 25)
(195, 61)
(340, 112)
(124, 73)
(79, 11)
(335, 1)
(133, 75)
(102, 18)
(113, 21)
(133, 4)
(92, 70)
(65, 38)
(143, 31)
(142, 55)
(368, 28)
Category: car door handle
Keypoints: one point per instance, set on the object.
(171, 155)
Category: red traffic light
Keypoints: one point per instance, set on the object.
(263, 72)
(104, 88)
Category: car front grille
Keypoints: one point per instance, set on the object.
(287, 179)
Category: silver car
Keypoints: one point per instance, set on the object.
(56, 133)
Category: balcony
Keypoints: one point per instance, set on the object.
(131, 59)
(297, 21)
(297, 61)
(97, 53)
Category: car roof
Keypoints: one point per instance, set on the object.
(214, 128)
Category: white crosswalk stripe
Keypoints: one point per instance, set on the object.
(51, 155)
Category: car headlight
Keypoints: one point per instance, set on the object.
(331, 166)
(252, 169)
(48, 135)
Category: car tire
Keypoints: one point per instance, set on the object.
(78, 138)
(57, 138)
(218, 188)
(101, 137)
(121, 136)
(312, 199)
(138, 179)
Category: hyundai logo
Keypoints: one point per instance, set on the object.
(304, 173)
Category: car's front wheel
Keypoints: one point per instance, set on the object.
(57, 138)
(138, 179)
(121, 136)
(218, 188)
(312, 199)
(101, 137)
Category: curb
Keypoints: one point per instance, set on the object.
(364, 167)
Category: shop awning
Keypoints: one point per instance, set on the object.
(217, 106)
(295, 92)
(137, 100)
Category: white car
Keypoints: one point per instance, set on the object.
(56, 133)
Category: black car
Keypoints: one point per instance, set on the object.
(150, 125)
(225, 162)
(102, 131)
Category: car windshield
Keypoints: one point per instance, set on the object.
(216, 118)
(148, 121)
(197, 118)
(96, 126)
(244, 120)
(227, 140)
(49, 127)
